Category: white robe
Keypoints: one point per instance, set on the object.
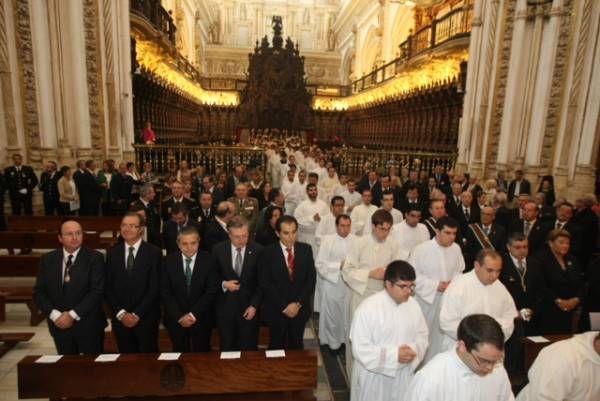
(360, 215)
(351, 199)
(326, 187)
(467, 295)
(291, 194)
(447, 378)
(325, 227)
(380, 326)
(566, 370)
(396, 216)
(434, 263)
(409, 237)
(335, 294)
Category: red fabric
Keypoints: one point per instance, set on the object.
(290, 262)
(149, 135)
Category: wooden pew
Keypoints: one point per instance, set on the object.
(52, 223)
(198, 376)
(19, 266)
(10, 340)
(46, 240)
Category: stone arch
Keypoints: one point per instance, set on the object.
(370, 51)
(348, 66)
(403, 23)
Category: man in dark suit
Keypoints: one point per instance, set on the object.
(374, 186)
(233, 181)
(453, 201)
(120, 190)
(467, 213)
(287, 277)
(437, 210)
(564, 220)
(216, 230)
(531, 227)
(48, 186)
(483, 235)
(180, 219)
(241, 296)
(518, 186)
(518, 281)
(386, 186)
(89, 190)
(189, 286)
(208, 185)
(21, 181)
(205, 212)
(587, 219)
(177, 198)
(441, 178)
(152, 218)
(132, 288)
(411, 198)
(69, 291)
(547, 214)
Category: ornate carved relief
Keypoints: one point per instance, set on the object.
(93, 76)
(5, 84)
(28, 87)
(109, 72)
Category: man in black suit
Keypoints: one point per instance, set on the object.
(437, 210)
(564, 220)
(132, 288)
(386, 186)
(120, 190)
(233, 181)
(69, 291)
(21, 181)
(152, 218)
(287, 277)
(411, 198)
(483, 235)
(89, 190)
(518, 186)
(208, 185)
(216, 230)
(189, 286)
(48, 186)
(177, 198)
(180, 219)
(453, 201)
(546, 214)
(374, 186)
(206, 211)
(531, 227)
(467, 213)
(587, 219)
(518, 281)
(241, 296)
(441, 178)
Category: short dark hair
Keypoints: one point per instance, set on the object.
(179, 208)
(132, 213)
(337, 198)
(188, 230)
(342, 217)
(88, 163)
(487, 253)
(387, 192)
(285, 219)
(380, 217)
(313, 175)
(412, 187)
(273, 194)
(446, 221)
(478, 329)
(412, 207)
(269, 212)
(516, 237)
(399, 270)
(309, 186)
(237, 222)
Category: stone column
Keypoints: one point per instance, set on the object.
(123, 66)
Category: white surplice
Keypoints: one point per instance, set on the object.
(335, 294)
(396, 216)
(379, 327)
(434, 263)
(467, 295)
(351, 199)
(447, 378)
(327, 185)
(566, 370)
(291, 194)
(360, 214)
(409, 237)
(325, 227)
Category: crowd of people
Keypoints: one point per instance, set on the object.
(410, 271)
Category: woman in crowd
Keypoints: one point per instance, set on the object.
(68, 197)
(266, 234)
(148, 135)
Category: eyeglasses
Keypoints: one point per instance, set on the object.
(485, 362)
(73, 234)
(405, 286)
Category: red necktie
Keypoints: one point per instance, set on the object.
(290, 262)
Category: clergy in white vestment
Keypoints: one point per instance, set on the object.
(290, 191)
(436, 262)
(342, 186)
(410, 233)
(387, 203)
(363, 212)
(472, 371)
(478, 291)
(366, 261)
(320, 170)
(327, 224)
(309, 213)
(328, 184)
(389, 338)
(335, 294)
(566, 370)
(351, 196)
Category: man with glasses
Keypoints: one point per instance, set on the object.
(69, 290)
(389, 337)
(132, 288)
(471, 371)
(478, 291)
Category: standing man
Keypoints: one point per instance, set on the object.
(176, 198)
(362, 213)
(244, 205)
(146, 203)
(518, 186)
(287, 278)
(532, 227)
(437, 210)
(478, 291)
(308, 214)
(410, 232)
(387, 203)
(69, 291)
(89, 190)
(132, 288)
(180, 219)
(472, 371)
(216, 230)
(49, 187)
(335, 295)
(206, 211)
(240, 296)
(351, 196)
(327, 225)
(121, 186)
(484, 235)
(189, 285)
(437, 262)
(21, 181)
(389, 338)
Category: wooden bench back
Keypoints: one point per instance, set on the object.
(52, 223)
(45, 240)
(19, 266)
(143, 375)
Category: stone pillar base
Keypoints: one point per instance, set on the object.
(583, 183)
(114, 153)
(49, 154)
(129, 156)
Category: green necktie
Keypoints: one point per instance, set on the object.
(188, 272)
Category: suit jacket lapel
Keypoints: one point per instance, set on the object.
(120, 255)
(248, 256)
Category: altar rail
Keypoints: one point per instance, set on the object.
(212, 158)
(353, 160)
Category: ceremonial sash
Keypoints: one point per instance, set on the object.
(482, 238)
